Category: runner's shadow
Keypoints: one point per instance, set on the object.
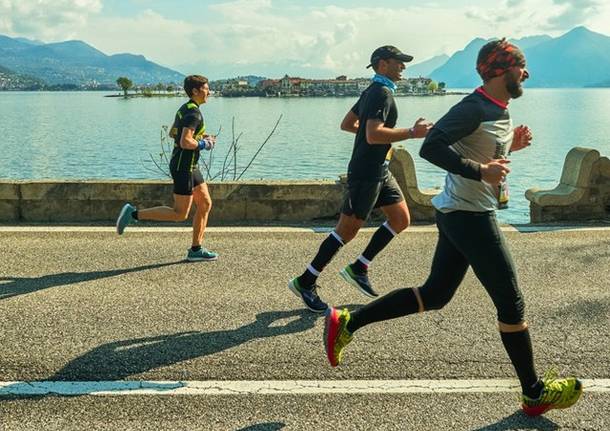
(15, 286)
(121, 359)
(520, 421)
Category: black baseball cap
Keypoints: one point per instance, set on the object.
(386, 52)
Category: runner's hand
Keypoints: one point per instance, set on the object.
(210, 138)
(421, 127)
(206, 144)
(522, 138)
(495, 171)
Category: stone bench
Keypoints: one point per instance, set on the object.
(583, 193)
(403, 169)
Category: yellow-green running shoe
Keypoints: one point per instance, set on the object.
(336, 335)
(556, 394)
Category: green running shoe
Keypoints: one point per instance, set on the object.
(125, 217)
(201, 255)
(309, 295)
(556, 394)
(359, 281)
(336, 335)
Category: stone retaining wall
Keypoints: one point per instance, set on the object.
(233, 202)
(583, 194)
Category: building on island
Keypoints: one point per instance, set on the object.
(289, 86)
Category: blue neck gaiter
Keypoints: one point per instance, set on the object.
(384, 80)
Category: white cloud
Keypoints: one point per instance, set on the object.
(339, 40)
(574, 13)
(517, 18)
(46, 19)
(319, 40)
(159, 39)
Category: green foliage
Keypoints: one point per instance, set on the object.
(125, 84)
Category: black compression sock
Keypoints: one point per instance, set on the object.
(535, 390)
(196, 248)
(380, 239)
(329, 247)
(134, 215)
(395, 304)
(359, 267)
(518, 345)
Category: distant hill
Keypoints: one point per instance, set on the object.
(579, 58)
(77, 63)
(30, 41)
(426, 67)
(10, 80)
(457, 72)
(604, 84)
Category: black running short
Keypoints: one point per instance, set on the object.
(185, 181)
(362, 196)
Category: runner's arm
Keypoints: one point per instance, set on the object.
(462, 120)
(187, 140)
(378, 133)
(350, 122)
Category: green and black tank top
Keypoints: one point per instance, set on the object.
(188, 116)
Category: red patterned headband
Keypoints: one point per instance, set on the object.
(504, 56)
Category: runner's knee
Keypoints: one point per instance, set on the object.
(204, 204)
(436, 293)
(398, 224)
(182, 215)
(512, 313)
(434, 302)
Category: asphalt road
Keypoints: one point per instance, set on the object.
(92, 306)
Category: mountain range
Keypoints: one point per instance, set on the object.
(579, 58)
(426, 67)
(77, 63)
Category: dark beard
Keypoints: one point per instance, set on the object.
(513, 87)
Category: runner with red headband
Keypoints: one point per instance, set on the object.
(471, 143)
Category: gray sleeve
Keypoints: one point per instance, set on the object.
(462, 120)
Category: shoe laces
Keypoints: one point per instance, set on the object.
(556, 390)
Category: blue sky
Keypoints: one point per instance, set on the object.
(311, 38)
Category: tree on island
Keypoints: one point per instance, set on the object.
(125, 84)
(432, 87)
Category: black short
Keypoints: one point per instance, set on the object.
(185, 181)
(362, 196)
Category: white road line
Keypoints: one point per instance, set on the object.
(274, 387)
(255, 229)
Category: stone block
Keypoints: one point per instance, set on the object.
(578, 166)
(403, 169)
(582, 195)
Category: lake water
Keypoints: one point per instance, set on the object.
(85, 135)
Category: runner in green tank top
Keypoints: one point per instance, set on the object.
(188, 132)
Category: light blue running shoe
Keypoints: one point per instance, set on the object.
(125, 218)
(202, 255)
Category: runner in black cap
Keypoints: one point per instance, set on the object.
(471, 142)
(369, 182)
(188, 132)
